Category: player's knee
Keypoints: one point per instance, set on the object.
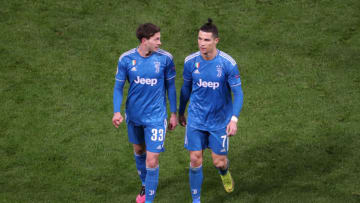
(219, 163)
(139, 149)
(195, 164)
(195, 160)
(152, 162)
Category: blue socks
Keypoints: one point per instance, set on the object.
(196, 179)
(151, 182)
(140, 161)
(196, 200)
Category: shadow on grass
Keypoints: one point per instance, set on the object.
(298, 164)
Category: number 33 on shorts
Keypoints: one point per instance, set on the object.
(157, 134)
(154, 138)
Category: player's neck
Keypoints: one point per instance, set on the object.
(210, 55)
(144, 51)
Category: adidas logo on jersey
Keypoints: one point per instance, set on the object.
(146, 81)
(196, 71)
(133, 69)
(159, 147)
(208, 84)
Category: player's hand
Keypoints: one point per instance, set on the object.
(231, 128)
(117, 119)
(182, 120)
(172, 122)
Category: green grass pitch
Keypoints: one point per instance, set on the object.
(298, 134)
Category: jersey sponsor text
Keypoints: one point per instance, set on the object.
(146, 81)
(208, 84)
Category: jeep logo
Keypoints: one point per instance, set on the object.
(209, 84)
(146, 81)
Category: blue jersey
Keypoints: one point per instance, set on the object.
(210, 105)
(146, 100)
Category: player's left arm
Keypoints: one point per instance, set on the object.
(185, 92)
(171, 93)
(235, 85)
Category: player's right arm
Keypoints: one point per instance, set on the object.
(185, 94)
(118, 92)
(117, 99)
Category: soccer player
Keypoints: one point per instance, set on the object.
(210, 75)
(150, 72)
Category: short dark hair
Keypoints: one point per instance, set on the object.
(146, 30)
(210, 27)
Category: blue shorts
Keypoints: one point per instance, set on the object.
(152, 135)
(197, 140)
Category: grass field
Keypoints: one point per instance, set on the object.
(298, 134)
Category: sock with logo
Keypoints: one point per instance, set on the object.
(140, 161)
(195, 179)
(151, 182)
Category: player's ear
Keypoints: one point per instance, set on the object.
(143, 40)
(217, 40)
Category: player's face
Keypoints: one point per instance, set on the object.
(207, 42)
(153, 43)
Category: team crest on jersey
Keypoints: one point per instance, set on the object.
(133, 62)
(157, 66)
(219, 70)
(197, 64)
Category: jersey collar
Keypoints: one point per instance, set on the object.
(217, 54)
